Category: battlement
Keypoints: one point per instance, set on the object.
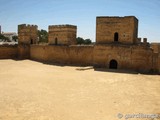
(62, 26)
(27, 26)
(117, 17)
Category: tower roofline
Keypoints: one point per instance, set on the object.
(116, 17)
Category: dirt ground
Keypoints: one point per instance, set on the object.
(31, 90)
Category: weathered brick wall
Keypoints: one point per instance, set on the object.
(125, 27)
(139, 58)
(82, 55)
(155, 47)
(103, 54)
(142, 59)
(8, 52)
(128, 57)
(23, 51)
(79, 55)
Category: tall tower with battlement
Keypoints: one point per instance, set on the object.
(113, 29)
(62, 34)
(27, 34)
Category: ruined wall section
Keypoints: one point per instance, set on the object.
(62, 34)
(75, 55)
(125, 27)
(8, 52)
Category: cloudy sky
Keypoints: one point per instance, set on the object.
(81, 13)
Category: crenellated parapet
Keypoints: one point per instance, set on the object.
(60, 28)
(63, 26)
(27, 28)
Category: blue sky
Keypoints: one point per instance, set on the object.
(81, 13)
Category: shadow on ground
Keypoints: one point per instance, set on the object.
(116, 70)
(83, 67)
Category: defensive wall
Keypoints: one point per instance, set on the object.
(117, 46)
(75, 55)
(8, 51)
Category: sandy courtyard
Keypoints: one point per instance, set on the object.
(31, 90)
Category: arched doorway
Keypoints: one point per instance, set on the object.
(116, 37)
(113, 64)
(56, 41)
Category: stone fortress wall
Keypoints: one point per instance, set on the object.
(8, 52)
(117, 46)
(70, 55)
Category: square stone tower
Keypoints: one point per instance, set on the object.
(116, 29)
(27, 34)
(62, 34)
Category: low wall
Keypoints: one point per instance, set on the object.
(8, 51)
(78, 55)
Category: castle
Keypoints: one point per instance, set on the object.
(117, 46)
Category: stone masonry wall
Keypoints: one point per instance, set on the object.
(127, 57)
(155, 47)
(8, 52)
(76, 55)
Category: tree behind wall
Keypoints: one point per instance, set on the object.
(83, 41)
(43, 36)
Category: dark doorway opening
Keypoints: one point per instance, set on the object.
(113, 64)
(116, 37)
(56, 41)
(31, 41)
